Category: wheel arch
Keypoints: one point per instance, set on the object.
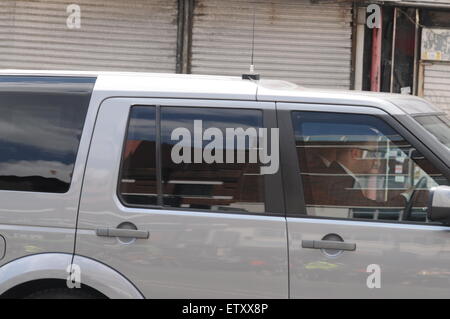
(51, 269)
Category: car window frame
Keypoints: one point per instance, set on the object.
(273, 187)
(294, 190)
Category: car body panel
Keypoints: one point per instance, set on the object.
(187, 254)
(43, 222)
(413, 260)
(184, 256)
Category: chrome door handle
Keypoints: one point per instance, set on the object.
(125, 233)
(328, 244)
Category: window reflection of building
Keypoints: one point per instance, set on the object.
(372, 174)
(41, 123)
(217, 186)
(138, 180)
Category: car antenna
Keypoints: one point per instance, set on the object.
(252, 75)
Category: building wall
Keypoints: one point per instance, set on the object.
(436, 84)
(435, 63)
(295, 40)
(132, 35)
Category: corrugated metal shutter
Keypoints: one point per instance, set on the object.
(437, 84)
(309, 44)
(131, 35)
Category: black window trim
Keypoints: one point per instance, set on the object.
(273, 186)
(294, 192)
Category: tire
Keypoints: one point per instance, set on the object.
(61, 293)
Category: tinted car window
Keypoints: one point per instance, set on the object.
(191, 184)
(356, 166)
(438, 125)
(41, 121)
(138, 180)
(216, 186)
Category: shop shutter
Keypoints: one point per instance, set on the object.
(295, 40)
(437, 84)
(115, 35)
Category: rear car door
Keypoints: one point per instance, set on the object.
(356, 197)
(189, 227)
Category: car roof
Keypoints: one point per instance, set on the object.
(233, 87)
(282, 91)
(159, 85)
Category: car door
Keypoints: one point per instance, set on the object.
(175, 223)
(357, 186)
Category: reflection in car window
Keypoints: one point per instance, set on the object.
(216, 186)
(356, 166)
(138, 179)
(233, 187)
(438, 125)
(40, 128)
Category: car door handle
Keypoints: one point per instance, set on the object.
(328, 244)
(125, 233)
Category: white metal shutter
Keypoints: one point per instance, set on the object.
(437, 84)
(309, 44)
(131, 35)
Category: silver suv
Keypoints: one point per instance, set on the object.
(129, 186)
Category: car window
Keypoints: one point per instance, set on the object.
(41, 123)
(138, 179)
(356, 166)
(438, 125)
(215, 186)
(190, 182)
